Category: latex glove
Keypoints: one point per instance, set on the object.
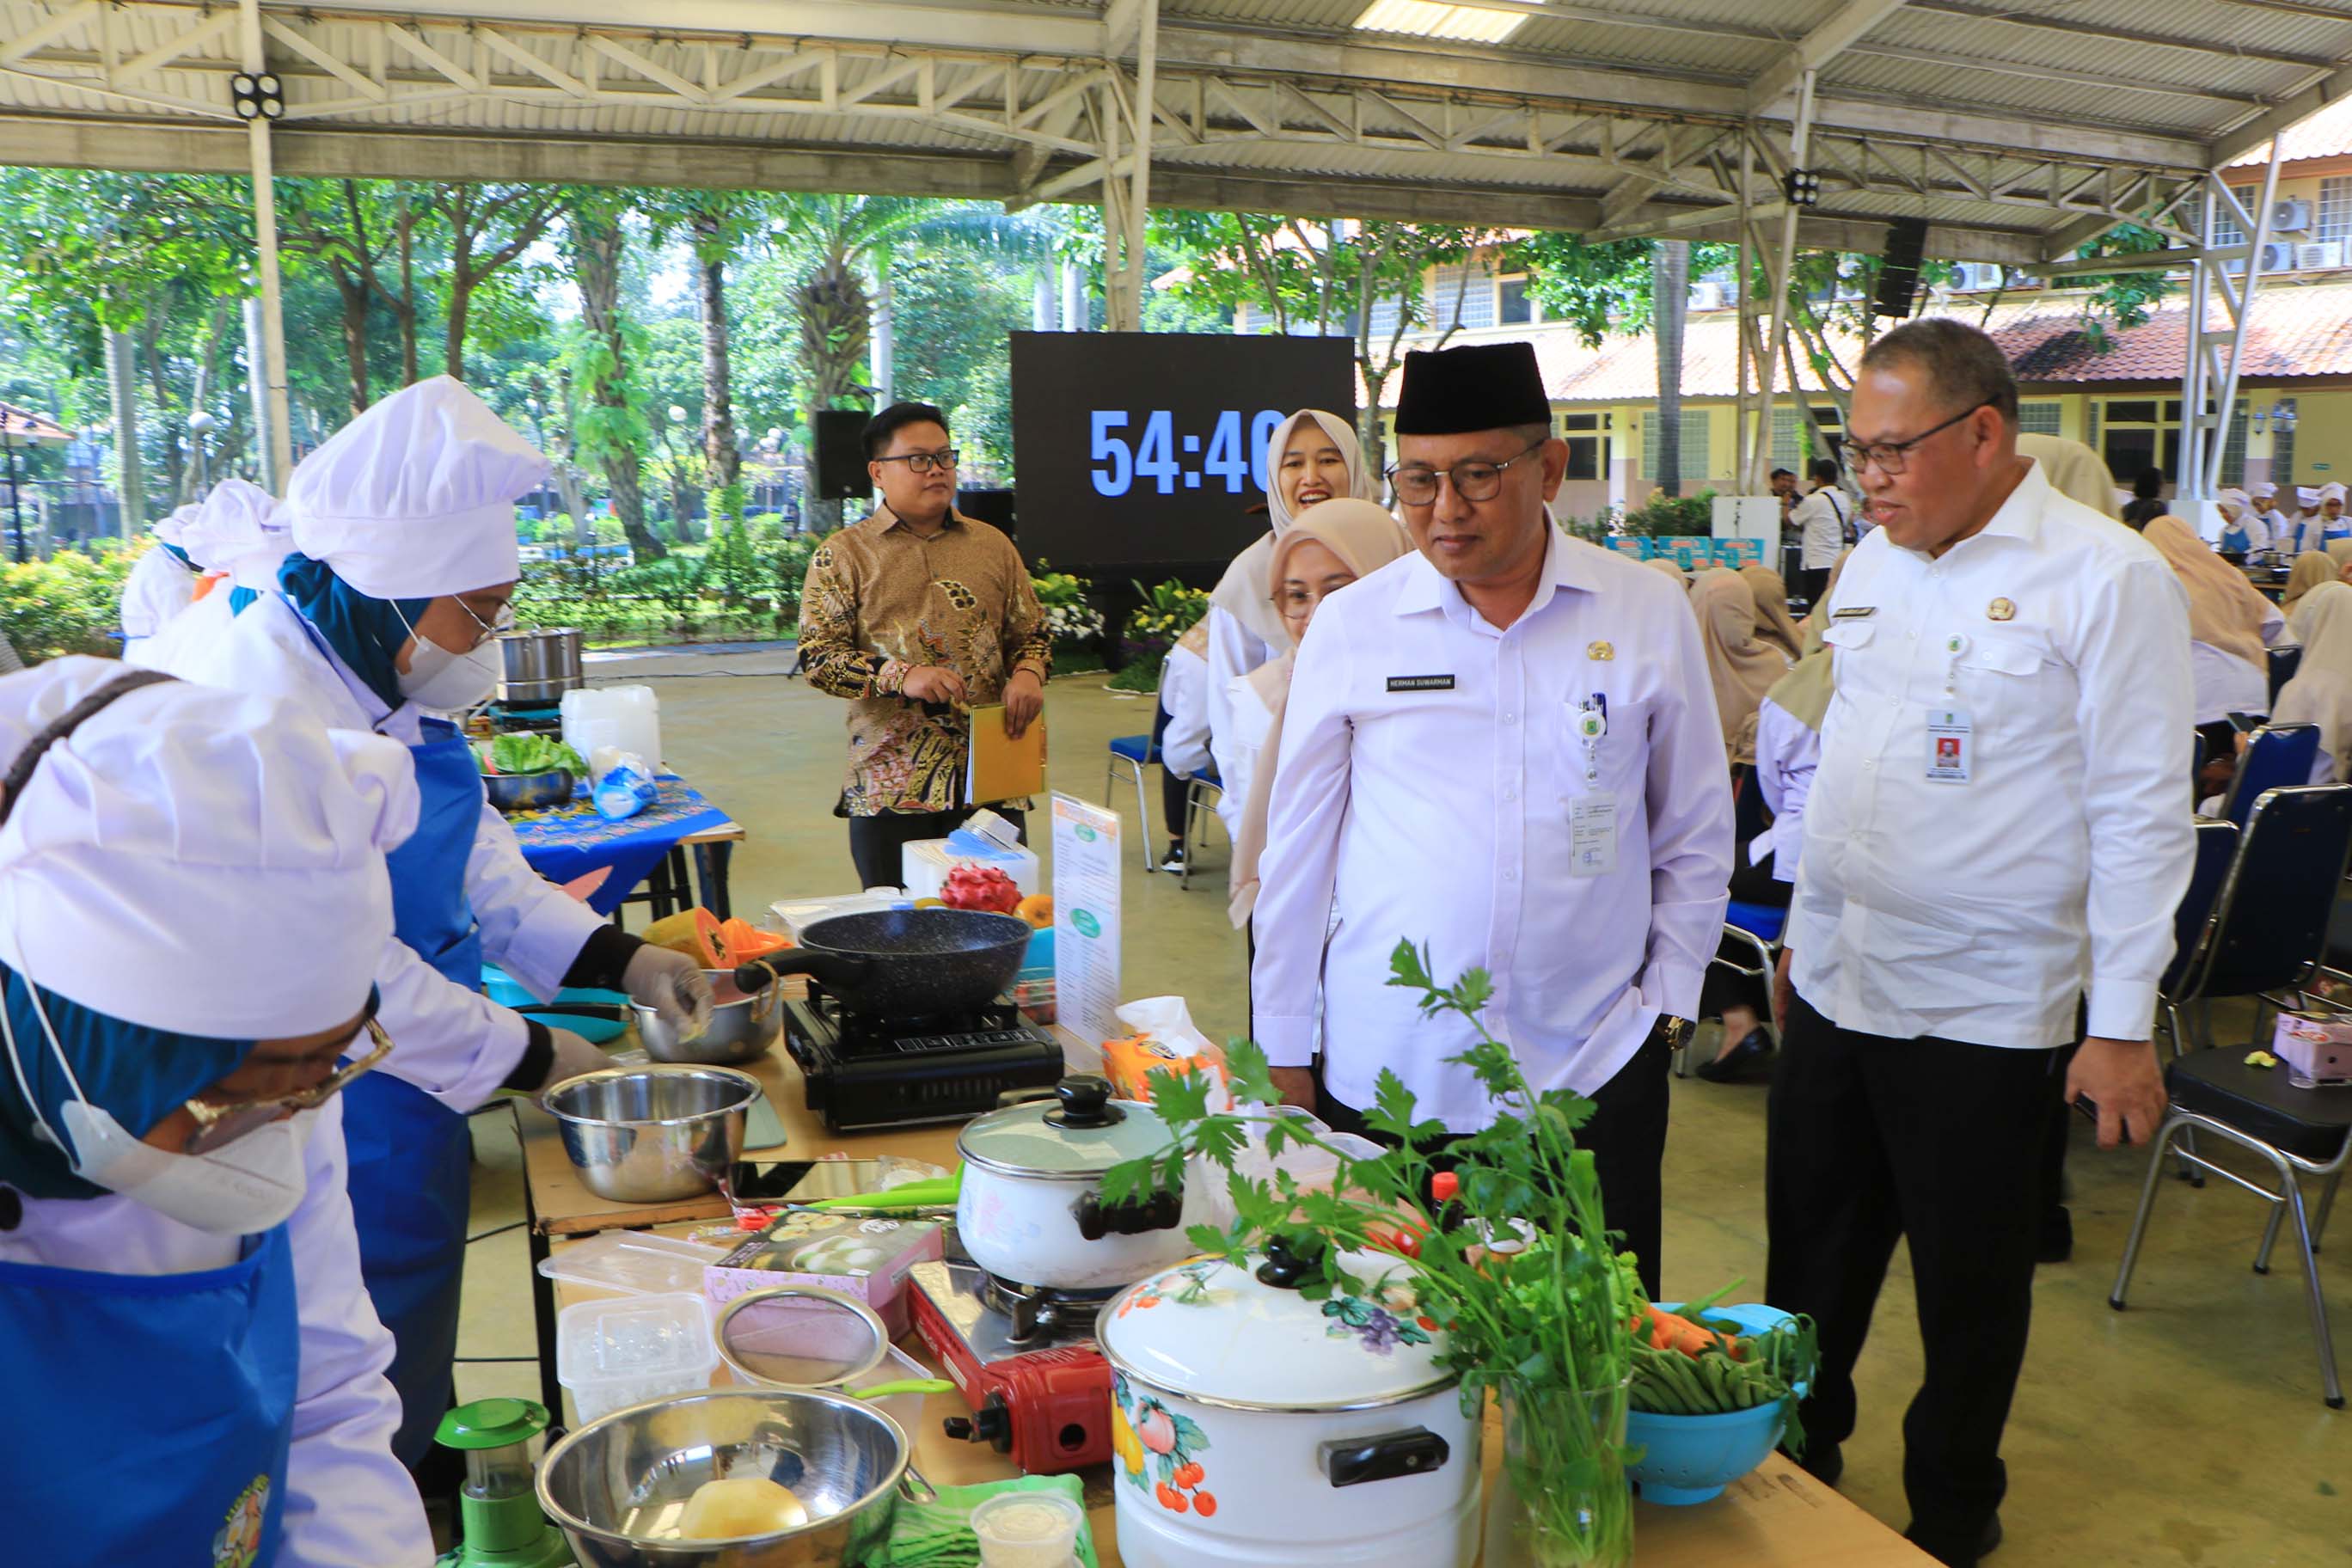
(573, 1056)
(673, 985)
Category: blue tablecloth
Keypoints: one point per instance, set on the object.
(563, 843)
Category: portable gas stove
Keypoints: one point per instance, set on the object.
(525, 718)
(864, 1072)
(1043, 1400)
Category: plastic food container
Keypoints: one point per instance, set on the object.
(627, 718)
(634, 1263)
(613, 1355)
(1026, 1529)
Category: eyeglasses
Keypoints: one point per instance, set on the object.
(924, 462)
(220, 1125)
(1888, 457)
(1417, 486)
(502, 623)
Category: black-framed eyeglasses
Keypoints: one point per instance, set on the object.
(1889, 457)
(924, 462)
(219, 1125)
(1417, 484)
(499, 625)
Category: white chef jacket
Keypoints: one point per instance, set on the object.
(1233, 650)
(1820, 520)
(455, 1045)
(2223, 683)
(1247, 720)
(173, 650)
(1441, 814)
(2286, 537)
(1184, 692)
(349, 1503)
(159, 587)
(1981, 910)
(1787, 752)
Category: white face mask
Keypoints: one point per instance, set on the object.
(450, 682)
(245, 1188)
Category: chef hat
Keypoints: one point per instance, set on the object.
(415, 499)
(193, 860)
(2305, 497)
(173, 529)
(2236, 498)
(2331, 491)
(228, 525)
(2264, 490)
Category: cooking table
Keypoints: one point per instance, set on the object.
(566, 841)
(1776, 1517)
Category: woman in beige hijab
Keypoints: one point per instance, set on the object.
(2074, 469)
(2229, 626)
(2321, 691)
(1741, 666)
(2311, 568)
(1669, 568)
(1328, 547)
(1773, 622)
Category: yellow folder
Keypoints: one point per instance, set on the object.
(1002, 768)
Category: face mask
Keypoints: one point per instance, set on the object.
(252, 1185)
(450, 682)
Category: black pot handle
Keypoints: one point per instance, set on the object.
(1353, 1461)
(831, 968)
(1160, 1211)
(1289, 1263)
(1086, 1102)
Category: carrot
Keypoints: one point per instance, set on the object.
(1670, 1331)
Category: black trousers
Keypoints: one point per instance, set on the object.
(876, 842)
(1173, 788)
(1627, 1136)
(1816, 583)
(1867, 1139)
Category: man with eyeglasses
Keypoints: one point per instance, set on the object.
(917, 615)
(1998, 832)
(1504, 747)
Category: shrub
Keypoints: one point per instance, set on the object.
(1169, 610)
(1665, 516)
(1072, 620)
(70, 603)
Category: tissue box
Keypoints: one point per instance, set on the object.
(924, 865)
(2317, 1047)
(866, 1259)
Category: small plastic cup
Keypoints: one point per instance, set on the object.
(1027, 1529)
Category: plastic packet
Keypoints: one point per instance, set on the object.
(1165, 1038)
(624, 789)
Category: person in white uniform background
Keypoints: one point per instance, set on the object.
(2333, 524)
(1502, 746)
(2264, 495)
(2242, 530)
(1825, 524)
(1996, 830)
(238, 527)
(193, 1373)
(1311, 457)
(1179, 732)
(2321, 689)
(404, 525)
(161, 583)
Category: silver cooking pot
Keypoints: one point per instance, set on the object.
(541, 666)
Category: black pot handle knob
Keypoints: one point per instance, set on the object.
(1086, 1102)
(1289, 1263)
(1355, 1460)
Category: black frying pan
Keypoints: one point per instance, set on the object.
(903, 963)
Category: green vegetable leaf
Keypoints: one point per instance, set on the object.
(532, 754)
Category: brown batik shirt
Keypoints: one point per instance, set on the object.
(880, 599)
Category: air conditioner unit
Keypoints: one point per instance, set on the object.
(1974, 276)
(1707, 296)
(2290, 216)
(2313, 255)
(2278, 257)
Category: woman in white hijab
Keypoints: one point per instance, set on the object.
(385, 620)
(1312, 456)
(192, 897)
(2321, 691)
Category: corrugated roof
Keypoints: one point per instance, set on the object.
(2326, 134)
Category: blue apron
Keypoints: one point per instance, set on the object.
(411, 1175)
(148, 1415)
(2236, 539)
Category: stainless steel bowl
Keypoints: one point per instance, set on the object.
(741, 1027)
(650, 1135)
(528, 791)
(541, 666)
(617, 1486)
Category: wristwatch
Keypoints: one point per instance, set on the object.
(1675, 1032)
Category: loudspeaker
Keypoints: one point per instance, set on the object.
(992, 507)
(841, 454)
(1898, 276)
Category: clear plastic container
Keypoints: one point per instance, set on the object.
(627, 718)
(1027, 1529)
(612, 1354)
(634, 1263)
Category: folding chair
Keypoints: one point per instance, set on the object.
(1755, 928)
(1135, 752)
(1201, 793)
(2276, 756)
(2284, 663)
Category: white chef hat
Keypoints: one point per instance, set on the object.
(2236, 498)
(228, 525)
(173, 529)
(2264, 490)
(193, 860)
(2331, 491)
(2305, 497)
(415, 499)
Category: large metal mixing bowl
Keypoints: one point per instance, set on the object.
(617, 1486)
(528, 791)
(649, 1135)
(741, 1027)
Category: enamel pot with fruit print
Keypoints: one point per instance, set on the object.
(1251, 1425)
(1029, 1211)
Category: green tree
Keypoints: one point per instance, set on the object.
(610, 430)
(489, 228)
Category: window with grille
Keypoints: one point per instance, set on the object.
(2282, 444)
(1518, 305)
(2038, 418)
(2336, 208)
(1462, 295)
(2225, 220)
(1790, 436)
(2233, 446)
(1384, 318)
(1698, 429)
(2140, 434)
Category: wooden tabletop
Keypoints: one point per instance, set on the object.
(1775, 1516)
(723, 833)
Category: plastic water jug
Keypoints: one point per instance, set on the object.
(627, 718)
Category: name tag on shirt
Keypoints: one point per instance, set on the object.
(1592, 835)
(1420, 683)
(1855, 612)
(1951, 746)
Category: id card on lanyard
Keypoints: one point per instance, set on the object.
(1951, 743)
(1593, 818)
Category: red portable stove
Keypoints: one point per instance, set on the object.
(1026, 1361)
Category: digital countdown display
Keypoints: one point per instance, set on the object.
(1133, 450)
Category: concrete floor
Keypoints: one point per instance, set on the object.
(2188, 1430)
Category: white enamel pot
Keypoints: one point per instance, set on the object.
(1253, 1426)
(1030, 1212)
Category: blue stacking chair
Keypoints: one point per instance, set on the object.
(2277, 755)
(1134, 753)
(2217, 848)
(2267, 936)
(1201, 793)
(1754, 928)
(2285, 662)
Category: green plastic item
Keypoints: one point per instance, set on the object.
(940, 1192)
(499, 1511)
(904, 1385)
(938, 1534)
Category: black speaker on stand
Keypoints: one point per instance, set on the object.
(994, 507)
(1898, 275)
(841, 454)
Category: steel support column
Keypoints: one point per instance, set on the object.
(1126, 106)
(1782, 262)
(2209, 381)
(276, 443)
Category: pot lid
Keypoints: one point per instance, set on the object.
(1081, 1132)
(1246, 1338)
